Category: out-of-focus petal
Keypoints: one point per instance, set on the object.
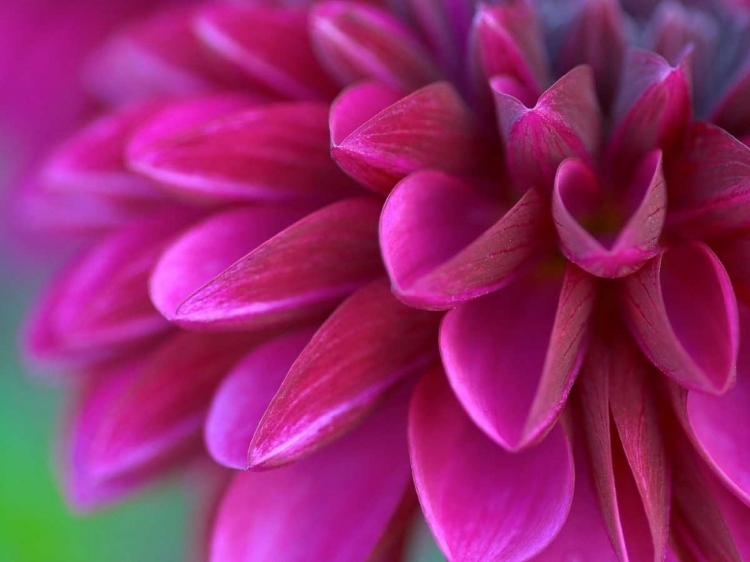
(302, 272)
(271, 44)
(732, 112)
(440, 245)
(482, 502)
(367, 345)
(638, 239)
(274, 151)
(512, 356)
(353, 487)
(565, 122)
(431, 128)
(356, 42)
(244, 395)
(208, 248)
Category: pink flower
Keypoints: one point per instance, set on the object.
(555, 193)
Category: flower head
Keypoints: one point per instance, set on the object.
(515, 232)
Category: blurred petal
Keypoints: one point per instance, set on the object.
(291, 513)
(512, 356)
(732, 112)
(302, 272)
(367, 345)
(682, 311)
(482, 502)
(440, 245)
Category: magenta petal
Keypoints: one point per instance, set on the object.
(244, 395)
(732, 112)
(482, 502)
(653, 107)
(301, 272)
(356, 42)
(275, 151)
(512, 356)
(733, 252)
(353, 487)
(719, 426)
(210, 247)
(431, 128)
(92, 161)
(565, 122)
(637, 241)
(709, 185)
(440, 245)
(682, 311)
(280, 58)
(367, 345)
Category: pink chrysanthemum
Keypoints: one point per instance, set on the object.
(556, 192)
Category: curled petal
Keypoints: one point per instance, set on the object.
(431, 128)
(653, 107)
(275, 151)
(244, 395)
(638, 239)
(359, 42)
(208, 248)
(682, 311)
(301, 272)
(565, 122)
(512, 356)
(287, 513)
(280, 58)
(440, 245)
(709, 185)
(482, 502)
(367, 345)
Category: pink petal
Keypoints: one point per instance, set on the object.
(431, 128)
(440, 245)
(91, 162)
(682, 311)
(733, 252)
(638, 239)
(629, 465)
(737, 517)
(537, 328)
(245, 393)
(301, 272)
(709, 185)
(291, 513)
(280, 58)
(653, 107)
(275, 151)
(510, 42)
(596, 36)
(731, 112)
(210, 247)
(100, 305)
(164, 403)
(565, 122)
(160, 56)
(367, 345)
(356, 42)
(482, 502)
(719, 426)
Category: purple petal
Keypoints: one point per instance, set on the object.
(289, 513)
(709, 185)
(367, 345)
(301, 272)
(565, 122)
(482, 502)
(274, 151)
(537, 327)
(440, 245)
(210, 247)
(731, 112)
(682, 311)
(244, 395)
(431, 128)
(638, 239)
(356, 42)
